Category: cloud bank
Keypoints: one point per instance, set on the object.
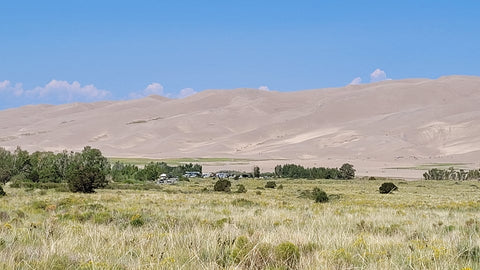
(158, 89)
(66, 91)
(54, 91)
(377, 75)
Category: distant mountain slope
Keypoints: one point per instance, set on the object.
(386, 121)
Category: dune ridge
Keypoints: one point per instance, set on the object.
(385, 124)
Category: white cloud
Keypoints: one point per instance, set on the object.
(4, 85)
(264, 88)
(378, 75)
(65, 91)
(151, 89)
(185, 92)
(356, 81)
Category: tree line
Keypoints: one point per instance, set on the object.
(346, 171)
(451, 174)
(82, 171)
(88, 170)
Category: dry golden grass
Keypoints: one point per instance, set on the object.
(424, 225)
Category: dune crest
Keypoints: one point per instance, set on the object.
(420, 120)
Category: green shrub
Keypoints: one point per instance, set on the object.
(220, 222)
(270, 184)
(387, 187)
(315, 194)
(137, 220)
(222, 185)
(2, 192)
(241, 189)
(288, 253)
(319, 195)
(241, 248)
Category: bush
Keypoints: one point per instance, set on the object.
(2, 192)
(241, 248)
(319, 195)
(387, 187)
(288, 253)
(137, 220)
(241, 189)
(316, 194)
(222, 185)
(270, 184)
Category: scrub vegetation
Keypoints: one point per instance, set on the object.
(422, 225)
(78, 211)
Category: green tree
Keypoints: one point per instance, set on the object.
(6, 166)
(347, 171)
(278, 171)
(87, 170)
(21, 161)
(256, 171)
(44, 168)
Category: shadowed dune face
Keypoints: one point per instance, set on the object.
(381, 124)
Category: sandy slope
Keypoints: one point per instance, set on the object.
(373, 126)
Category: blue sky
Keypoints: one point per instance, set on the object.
(67, 51)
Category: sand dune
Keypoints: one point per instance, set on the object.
(373, 126)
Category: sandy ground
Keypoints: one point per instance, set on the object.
(375, 127)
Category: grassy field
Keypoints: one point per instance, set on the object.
(423, 225)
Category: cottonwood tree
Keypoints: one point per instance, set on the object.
(87, 171)
(256, 171)
(347, 171)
